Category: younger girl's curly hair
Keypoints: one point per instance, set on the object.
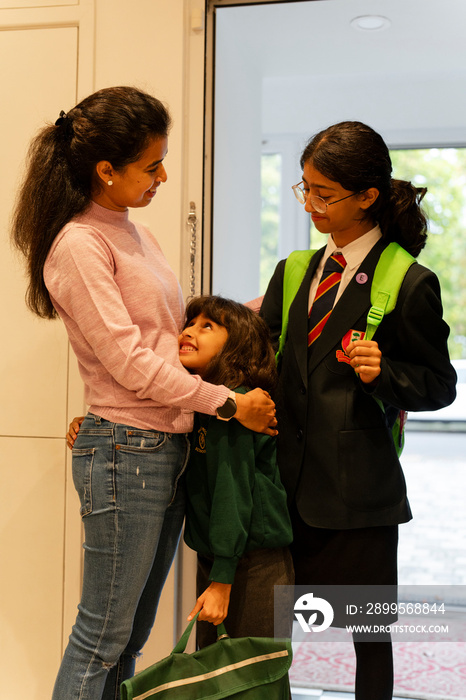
(247, 358)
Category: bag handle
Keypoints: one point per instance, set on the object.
(183, 640)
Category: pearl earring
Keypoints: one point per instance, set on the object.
(110, 183)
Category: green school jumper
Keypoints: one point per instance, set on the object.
(235, 500)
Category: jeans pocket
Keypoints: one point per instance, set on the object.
(83, 460)
(142, 441)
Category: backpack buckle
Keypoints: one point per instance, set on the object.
(375, 315)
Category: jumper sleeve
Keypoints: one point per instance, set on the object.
(230, 467)
(80, 277)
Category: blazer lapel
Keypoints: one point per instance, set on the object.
(353, 303)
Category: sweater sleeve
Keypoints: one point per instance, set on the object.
(80, 276)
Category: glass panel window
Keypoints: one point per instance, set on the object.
(443, 172)
(271, 171)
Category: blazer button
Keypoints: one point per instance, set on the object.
(303, 390)
(299, 434)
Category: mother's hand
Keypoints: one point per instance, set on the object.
(256, 411)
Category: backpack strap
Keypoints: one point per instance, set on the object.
(389, 274)
(295, 268)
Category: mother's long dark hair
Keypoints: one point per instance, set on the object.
(357, 157)
(113, 124)
(247, 358)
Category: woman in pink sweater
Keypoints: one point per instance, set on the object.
(108, 280)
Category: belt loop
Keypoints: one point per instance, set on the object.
(98, 420)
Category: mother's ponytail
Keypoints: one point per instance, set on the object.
(114, 124)
(47, 200)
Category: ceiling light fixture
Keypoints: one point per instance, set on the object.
(370, 23)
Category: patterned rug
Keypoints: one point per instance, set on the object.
(424, 670)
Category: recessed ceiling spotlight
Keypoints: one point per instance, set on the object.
(370, 23)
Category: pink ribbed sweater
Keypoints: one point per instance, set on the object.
(123, 310)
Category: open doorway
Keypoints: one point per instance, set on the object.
(284, 70)
(281, 71)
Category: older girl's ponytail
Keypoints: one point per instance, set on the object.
(402, 217)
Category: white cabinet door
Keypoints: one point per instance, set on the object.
(39, 540)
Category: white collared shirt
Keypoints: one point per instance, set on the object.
(354, 253)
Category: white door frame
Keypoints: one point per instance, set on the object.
(206, 234)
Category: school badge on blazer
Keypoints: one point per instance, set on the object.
(352, 335)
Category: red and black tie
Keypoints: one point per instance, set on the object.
(325, 296)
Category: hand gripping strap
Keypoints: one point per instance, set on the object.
(183, 640)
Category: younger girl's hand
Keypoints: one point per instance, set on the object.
(365, 359)
(73, 431)
(213, 603)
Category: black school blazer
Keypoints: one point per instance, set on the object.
(335, 450)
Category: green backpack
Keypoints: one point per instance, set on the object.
(389, 274)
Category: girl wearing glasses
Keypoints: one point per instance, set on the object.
(336, 454)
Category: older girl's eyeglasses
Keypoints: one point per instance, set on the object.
(319, 204)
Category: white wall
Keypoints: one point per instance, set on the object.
(412, 109)
(39, 544)
(47, 54)
(143, 44)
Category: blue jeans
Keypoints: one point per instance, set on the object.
(132, 506)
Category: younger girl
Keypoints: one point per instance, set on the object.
(236, 515)
(335, 449)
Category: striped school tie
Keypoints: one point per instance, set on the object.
(325, 296)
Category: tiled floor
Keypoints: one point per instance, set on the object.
(432, 547)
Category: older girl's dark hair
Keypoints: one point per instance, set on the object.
(356, 156)
(247, 358)
(114, 124)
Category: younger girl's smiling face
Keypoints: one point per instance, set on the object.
(199, 342)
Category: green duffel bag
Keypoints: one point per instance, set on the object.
(247, 667)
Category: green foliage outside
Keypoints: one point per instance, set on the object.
(270, 216)
(443, 172)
